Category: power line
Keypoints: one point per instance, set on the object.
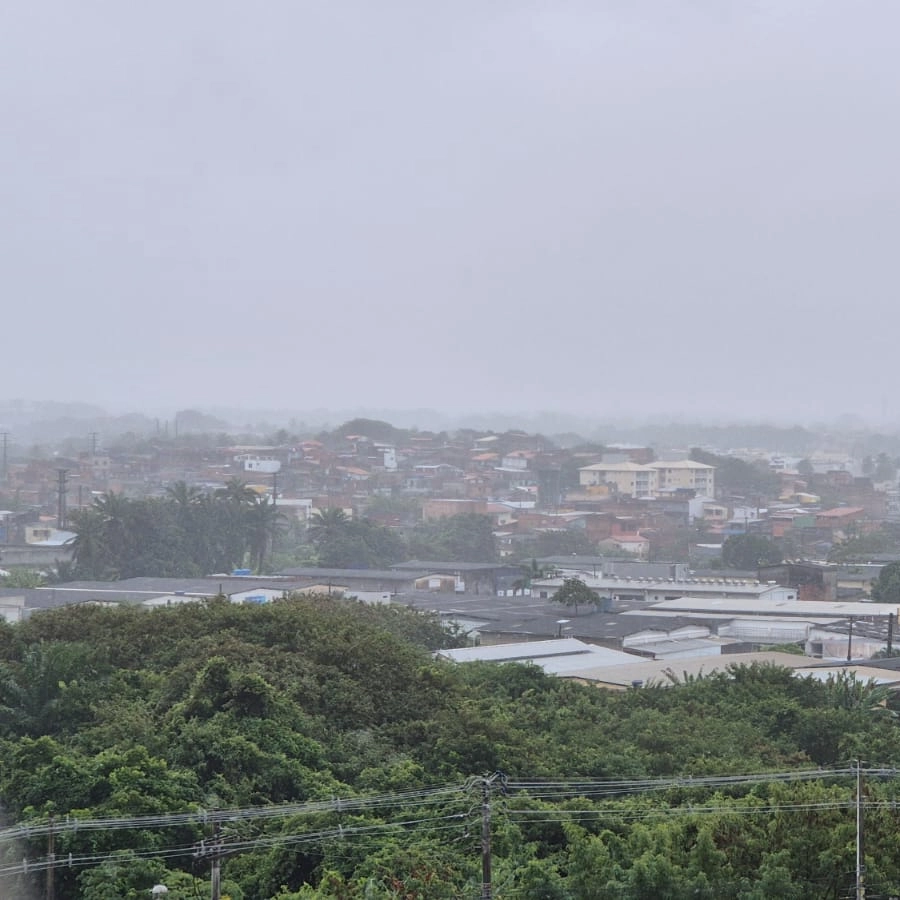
(453, 820)
(595, 787)
(211, 817)
(225, 847)
(425, 799)
(537, 789)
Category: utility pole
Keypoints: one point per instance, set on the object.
(487, 783)
(61, 498)
(215, 875)
(860, 858)
(50, 886)
(890, 634)
(213, 850)
(5, 436)
(850, 640)
(486, 839)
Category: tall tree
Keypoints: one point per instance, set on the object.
(736, 476)
(887, 588)
(184, 495)
(749, 551)
(462, 538)
(574, 592)
(327, 522)
(342, 542)
(114, 509)
(237, 491)
(263, 520)
(91, 556)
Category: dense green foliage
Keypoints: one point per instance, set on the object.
(188, 532)
(887, 588)
(122, 712)
(863, 547)
(464, 538)
(561, 542)
(736, 477)
(749, 551)
(574, 592)
(345, 543)
(881, 468)
(193, 533)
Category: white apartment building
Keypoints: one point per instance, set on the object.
(634, 480)
(626, 478)
(685, 473)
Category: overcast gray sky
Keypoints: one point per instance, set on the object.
(606, 207)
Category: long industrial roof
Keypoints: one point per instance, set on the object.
(554, 656)
(774, 607)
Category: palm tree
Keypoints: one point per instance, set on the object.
(233, 502)
(237, 491)
(111, 505)
(184, 495)
(113, 510)
(89, 548)
(264, 520)
(217, 537)
(326, 523)
(33, 692)
(190, 513)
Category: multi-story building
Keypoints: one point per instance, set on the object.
(685, 474)
(625, 478)
(635, 480)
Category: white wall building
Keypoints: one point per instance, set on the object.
(635, 480)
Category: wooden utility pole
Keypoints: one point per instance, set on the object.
(487, 783)
(50, 886)
(216, 870)
(860, 858)
(212, 850)
(486, 839)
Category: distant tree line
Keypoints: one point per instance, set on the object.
(190, 532)
(737, 477)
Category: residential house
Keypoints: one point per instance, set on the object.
(444, 507)
(633, 544)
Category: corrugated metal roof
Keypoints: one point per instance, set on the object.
(660, 670)
(556, 655)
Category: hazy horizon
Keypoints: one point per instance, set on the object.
(23, 420)
(612, 211)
